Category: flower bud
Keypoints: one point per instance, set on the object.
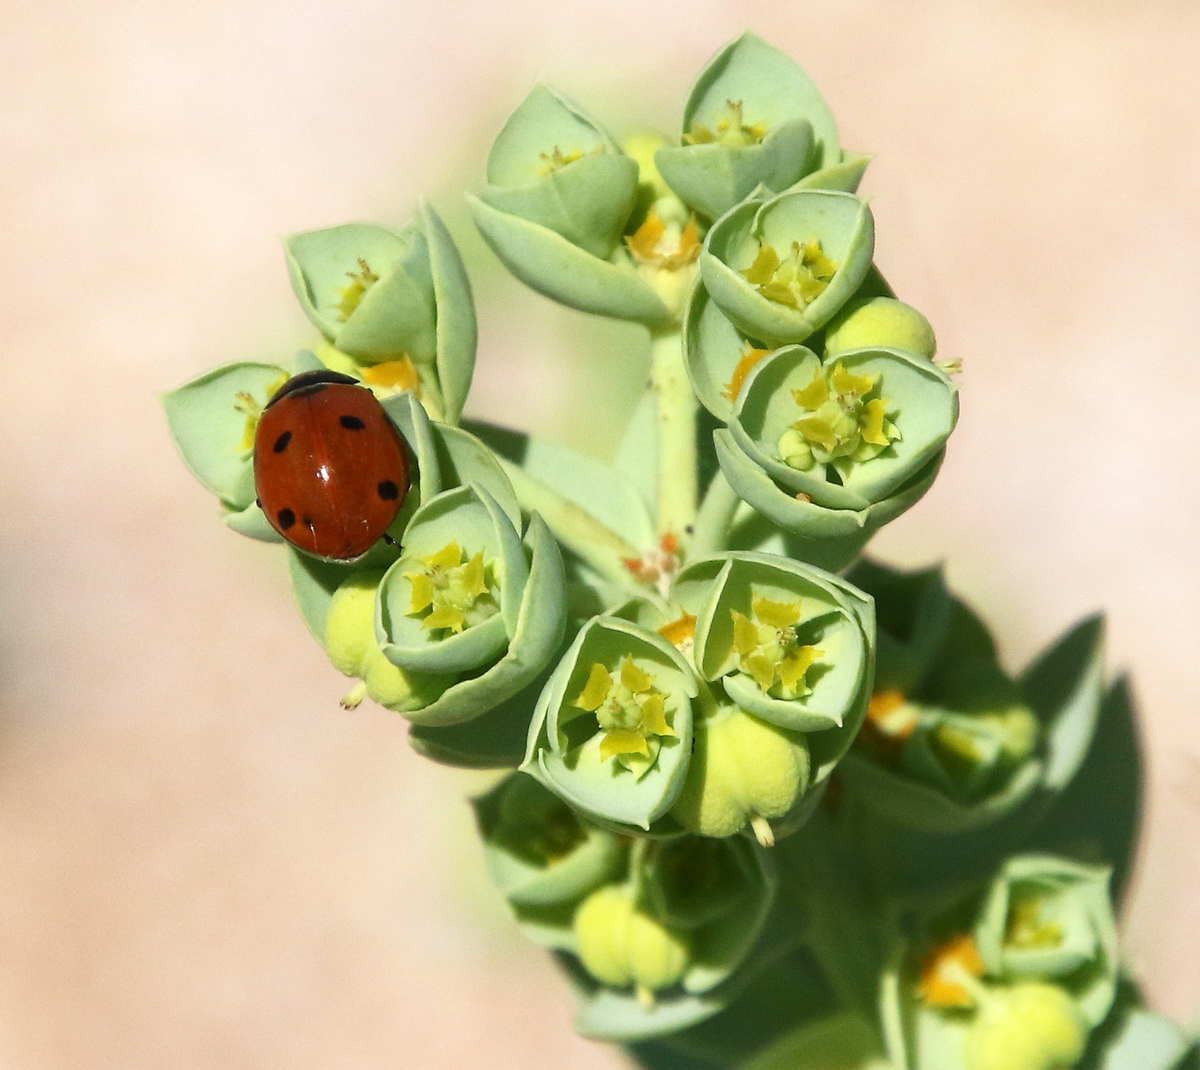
(620, 944)
(350, 622)
(612, 731)
(753, 119)
(875, 322)
(1031, 1026)
(744, 772)
(559, 195)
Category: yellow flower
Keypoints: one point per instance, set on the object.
(452, 590)
(630, 710)
(841, 423)
(768, 650)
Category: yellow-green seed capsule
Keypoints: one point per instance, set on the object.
(1033, 1026)
(743, 771)
(621, 945)
(880, 321)
(350, 622)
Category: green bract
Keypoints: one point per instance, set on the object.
(847, 433)
(397, 304)
(779, 268)
(553, 166)
(559, 195)
(612, 732)
(212, 419)
(1050, 919)
(832, 451)
(754, 118)
(542, 858)
(785, 641)
(952, 742)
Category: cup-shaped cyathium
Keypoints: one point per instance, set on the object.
(395, 306)
(779, 268)
(560, 193)
(682, 922)
(952, 741)
(542, 858)
(786, 652)
(612, 732)
(1051, 919)
(469, 599)
(1014, 982)
(832, 450)
(753, 118)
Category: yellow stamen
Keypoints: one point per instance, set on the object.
(679, 631)
(350, 296)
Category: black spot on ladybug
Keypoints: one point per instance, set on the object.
(286, 518)
(352, 423)
(388, 491)
(281, 443)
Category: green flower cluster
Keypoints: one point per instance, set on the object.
(766, 816)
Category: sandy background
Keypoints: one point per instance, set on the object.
(203, 861)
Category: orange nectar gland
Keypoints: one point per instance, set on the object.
(680, 633)
(944, 971)
(745, 366)
(656, 566)
(890, 722)
(671, 248)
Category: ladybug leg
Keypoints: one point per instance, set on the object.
(389, 540)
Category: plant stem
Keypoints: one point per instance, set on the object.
(711, 530)
(675, 419)
(580, 532)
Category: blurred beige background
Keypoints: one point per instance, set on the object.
(203, 861)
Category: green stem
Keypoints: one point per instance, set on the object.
(675, 420)
(580, 532)
(711, 530)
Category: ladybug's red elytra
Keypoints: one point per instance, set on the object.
(330, 468)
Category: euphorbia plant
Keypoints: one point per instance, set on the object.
(771, 804)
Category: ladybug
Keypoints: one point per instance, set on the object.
(330, 468)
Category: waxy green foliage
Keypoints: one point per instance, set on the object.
(766, 817)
